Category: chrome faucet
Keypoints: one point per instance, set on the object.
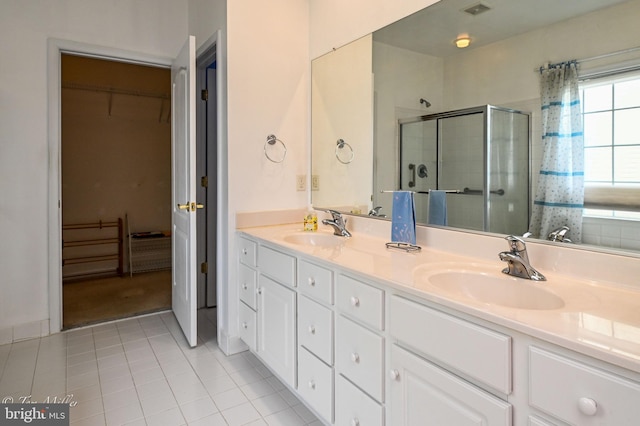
(376, 212)
(518, 260)
(338, 222)
(559, 234)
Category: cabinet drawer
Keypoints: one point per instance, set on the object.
(478, 352)
(247, 319)
(353, 407)
(315, 384)
(247, 251)
(580, 394)
(421, 393)
(359, 356)
(247, 279)
(315, 281)
(315, 328)
(278, 266)
(361, 301)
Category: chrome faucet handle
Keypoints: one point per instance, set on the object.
(559, 234)
(516, 244)
(334, 214)
(375, 211)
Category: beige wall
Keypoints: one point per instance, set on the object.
(149, 27)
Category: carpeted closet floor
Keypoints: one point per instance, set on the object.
(104, 299)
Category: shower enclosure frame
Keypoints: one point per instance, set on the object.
(487, 111)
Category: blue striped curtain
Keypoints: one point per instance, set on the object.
(559, 198)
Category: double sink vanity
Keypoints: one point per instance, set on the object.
(366, 335)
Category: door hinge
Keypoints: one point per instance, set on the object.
(204, 95)
(204, 181)
(204, 268)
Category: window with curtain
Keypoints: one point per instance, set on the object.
(611, 117)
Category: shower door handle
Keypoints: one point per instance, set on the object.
(412, 181)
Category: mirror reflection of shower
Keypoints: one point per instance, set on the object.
(479, 154)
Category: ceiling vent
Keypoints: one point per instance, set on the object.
(476, 9)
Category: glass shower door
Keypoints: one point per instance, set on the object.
(419, 162)
(508, 177)
(462, 150)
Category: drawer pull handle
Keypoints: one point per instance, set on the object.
(587, 406)
(244, 325)
(312, 329)
(394, 374)
(355, 301)
(355, 357)
(244, 251)
(312, 282)
(312, 384)
(244, 286)
(355, 422)
(259, 291)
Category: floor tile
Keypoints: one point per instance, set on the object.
(198, 409)
(212, 420)
(286, 417)
(171, 417)
(141, 371)
(270, 404)
(229, 399)
(124, 415)
(241, 414)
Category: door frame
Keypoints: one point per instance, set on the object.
(207, 149)
(55, 49)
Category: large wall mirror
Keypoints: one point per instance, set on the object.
(408, 83)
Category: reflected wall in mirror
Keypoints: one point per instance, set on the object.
(416, 58)
(342, 128)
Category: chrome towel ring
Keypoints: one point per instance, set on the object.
(271, 142)
(344, 156)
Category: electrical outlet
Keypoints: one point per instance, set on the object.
(301, 182)
(315, 183)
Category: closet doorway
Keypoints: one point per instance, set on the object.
(116, 189)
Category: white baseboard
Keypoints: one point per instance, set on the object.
(30, 330)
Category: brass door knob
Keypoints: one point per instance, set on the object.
(183, 206)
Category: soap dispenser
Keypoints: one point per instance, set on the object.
(311, 221)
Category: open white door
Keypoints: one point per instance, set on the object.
(183, 142)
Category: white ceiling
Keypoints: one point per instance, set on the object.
(433, 30)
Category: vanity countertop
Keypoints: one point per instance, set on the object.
(598, 320)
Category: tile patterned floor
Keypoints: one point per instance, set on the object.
(140, 371)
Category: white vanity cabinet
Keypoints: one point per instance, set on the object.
(425, 384)
(316, 336)
(421, 393)
(362, 351)
(276, 312)
(580, 394)
(267, 309)
(247, 289)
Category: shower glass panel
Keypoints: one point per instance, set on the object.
(479, 154)
(419, 161)
(508, 212)
(462, 166)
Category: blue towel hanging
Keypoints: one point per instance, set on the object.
(403, 218)
(437, 207)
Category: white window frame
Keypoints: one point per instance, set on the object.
(616, 200)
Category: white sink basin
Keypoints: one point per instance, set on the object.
(314, 239)
(491, 287)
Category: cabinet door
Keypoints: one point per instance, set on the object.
(277, 328)
(422, 393)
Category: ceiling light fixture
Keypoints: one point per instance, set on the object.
(463, 41)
